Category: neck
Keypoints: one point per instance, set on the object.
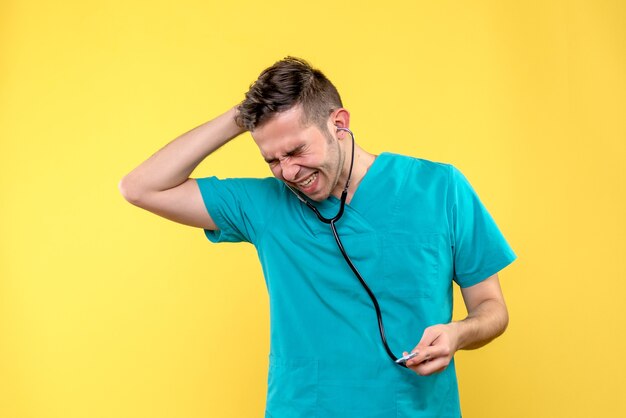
(362, 162)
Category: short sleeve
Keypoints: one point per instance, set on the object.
(479, 248)
(238, 206)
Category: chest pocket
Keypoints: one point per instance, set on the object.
(410, 264)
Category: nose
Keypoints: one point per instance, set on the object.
(289, 170)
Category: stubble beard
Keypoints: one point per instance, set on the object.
(331, 140)
(340, 164)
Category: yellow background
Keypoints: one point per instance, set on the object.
(107, 310)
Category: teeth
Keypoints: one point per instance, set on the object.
(308, 181)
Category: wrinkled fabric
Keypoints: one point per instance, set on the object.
(412, 227)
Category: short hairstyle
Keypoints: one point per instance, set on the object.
(289, 82)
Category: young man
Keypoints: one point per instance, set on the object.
(408, 226)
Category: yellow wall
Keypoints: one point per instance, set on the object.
(109, 311)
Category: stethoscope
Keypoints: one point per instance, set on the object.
(332, 221)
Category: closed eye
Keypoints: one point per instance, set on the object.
(295, 151)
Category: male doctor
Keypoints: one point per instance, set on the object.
(409, 228)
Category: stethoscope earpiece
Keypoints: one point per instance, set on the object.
(344, 129)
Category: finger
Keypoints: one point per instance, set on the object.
(429, 336)
(420, 358)
(416, 366)
(429, 340)
(431, 367)
(405, 357)
(428, 354)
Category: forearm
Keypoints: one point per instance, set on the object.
(172, 164)
(486, 322)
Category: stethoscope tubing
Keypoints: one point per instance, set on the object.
(332, 221)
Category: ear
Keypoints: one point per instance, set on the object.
(340, 118)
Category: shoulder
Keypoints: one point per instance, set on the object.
(418, 167)
(242, 187)
(267, 183)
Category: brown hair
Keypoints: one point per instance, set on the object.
(289, 82)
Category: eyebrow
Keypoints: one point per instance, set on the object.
(288, 154)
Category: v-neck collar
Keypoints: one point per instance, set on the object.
(361, 194)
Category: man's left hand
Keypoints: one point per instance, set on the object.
(436, 349)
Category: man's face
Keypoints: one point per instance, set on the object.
(302, 156)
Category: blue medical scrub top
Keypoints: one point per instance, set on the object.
(412, 228)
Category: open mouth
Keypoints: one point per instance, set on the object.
(308, 181)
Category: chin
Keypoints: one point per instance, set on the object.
(317, 197)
